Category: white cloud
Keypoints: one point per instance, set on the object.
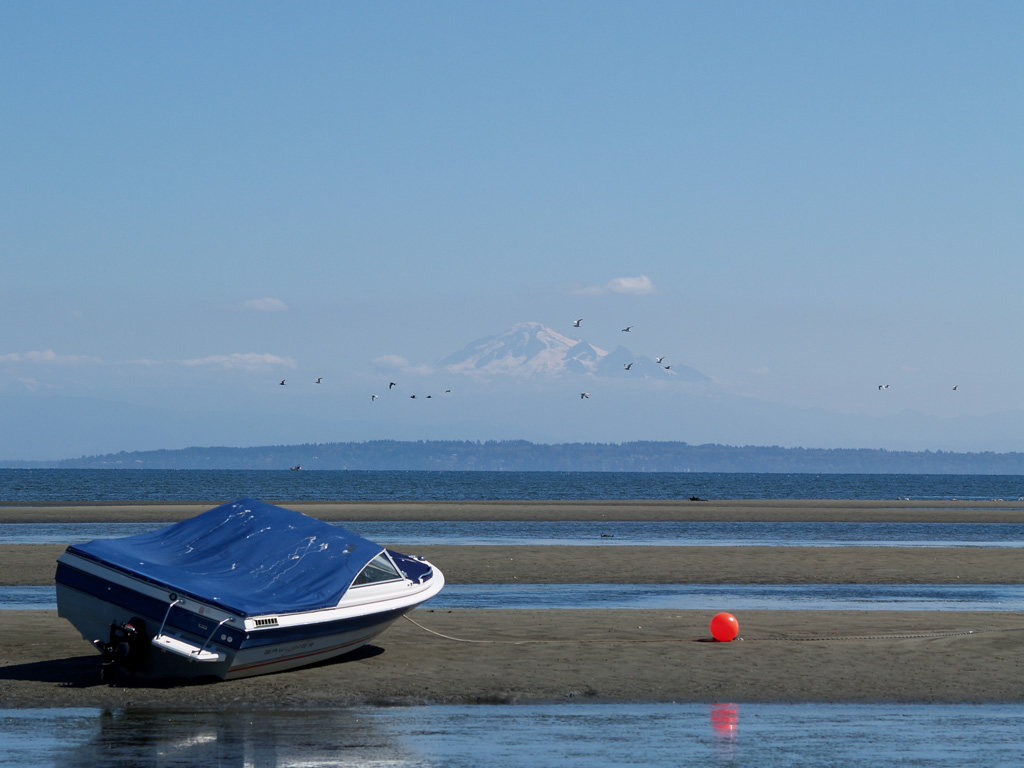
(249, 361)
(48, 356)
(243, 360)
(33, 385)
(266, 304)
(400, 364)
(390, 361)
(637, 286)
(587, 290)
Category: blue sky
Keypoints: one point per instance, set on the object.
(800, 200)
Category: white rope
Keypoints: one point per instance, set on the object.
(535, 641)
(465, 640)
(890, 637)
(753, 639)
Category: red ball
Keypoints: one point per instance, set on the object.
(724, 627)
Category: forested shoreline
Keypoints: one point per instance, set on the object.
(520, 455)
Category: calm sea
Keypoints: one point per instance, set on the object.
(28, 485)
(579, 734)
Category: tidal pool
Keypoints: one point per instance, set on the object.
(567, 735)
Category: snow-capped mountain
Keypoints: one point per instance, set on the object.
(534, 350)
(526, 349)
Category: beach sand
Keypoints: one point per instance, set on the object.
(828, 510)
(599, 655)
(30, 564)
(491, 656)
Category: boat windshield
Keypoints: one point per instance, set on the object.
(376, 571)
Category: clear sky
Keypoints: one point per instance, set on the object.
(200, 199)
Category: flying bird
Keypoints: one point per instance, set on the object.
(584, 395)
(883, 386)
(392, 384)
(318, 380)
(576, 324)
(627, 329)
(667, 367)
(627, 366)
(282, 382)
(955, 387)
(659, 359)
(373, 397)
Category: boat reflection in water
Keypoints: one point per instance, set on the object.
(237, 739)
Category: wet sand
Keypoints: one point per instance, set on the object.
(542, 656)
(595, 655)
(829, 510)
(32, 564)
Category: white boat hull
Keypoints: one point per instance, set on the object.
(187, 637)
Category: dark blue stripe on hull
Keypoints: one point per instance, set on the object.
(304, 631)
(149, 608)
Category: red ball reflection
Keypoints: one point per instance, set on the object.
(725, 719)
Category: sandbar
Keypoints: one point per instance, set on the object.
(508, 657)
(34, 564)
(529, 656)
(682, 510)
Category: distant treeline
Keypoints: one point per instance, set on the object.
(520, 455)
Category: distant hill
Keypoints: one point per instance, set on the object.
(517, 455)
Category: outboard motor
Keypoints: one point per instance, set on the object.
(126, 649)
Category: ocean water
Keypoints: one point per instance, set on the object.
(578, 735)
(563, 735)
(35, 485)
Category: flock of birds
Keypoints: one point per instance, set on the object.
(583, 395)
(391, 385)
(627, 366)
(886, 386)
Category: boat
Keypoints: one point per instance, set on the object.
(246, 588)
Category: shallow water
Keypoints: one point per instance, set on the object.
(747, 597)
(568, 533)
(563, 735)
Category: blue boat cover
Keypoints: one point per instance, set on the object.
(247, 556)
